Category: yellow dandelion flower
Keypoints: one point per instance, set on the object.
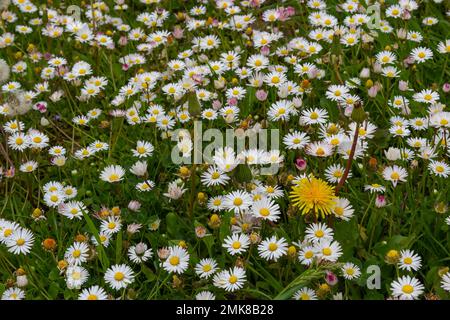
(313, 195)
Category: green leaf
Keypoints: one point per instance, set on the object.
(119, 247)
(194, 106)
(148, 273)
(102, 255)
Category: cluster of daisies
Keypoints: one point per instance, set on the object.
(130, 81)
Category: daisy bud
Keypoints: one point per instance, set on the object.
(177, 32)
(446, 87)
(163, 253)
(232, 101)
(414, 164)
(380, 201)
(36, 213)
(133, 228)
(216, 104)
(377, 67)
(373, 163)
(184, 172)
(200, 231)
(323, 290)
(62, 265)
(201, 197)
(401, 33)
(265, 50)
(292, 252)
(331, 278)
(392, 154)
(403, 85)
(392, 256)
(134, 205)
(261, 95)
(139, 168)
(140, 248)
(297, 102)
(214, 221)
(80, 238)
(255, 238)
(115, 211)
(372, 92)
(441, 207)
(49, 244)
(177, 282)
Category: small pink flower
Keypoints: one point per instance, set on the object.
(177, 32)
(261, 95)
(380, 201)
(331, 278)
(265, 50)
(134, 205)
(446, 87)
(123, 40)
(403, 85)
(125, 67)
(216, 104)
(300, 164)
(373, 91)
(232, 101)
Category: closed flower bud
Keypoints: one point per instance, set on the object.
(134, 205)
(49, 244)
(392, 256)
(292, 252)
(214, 221)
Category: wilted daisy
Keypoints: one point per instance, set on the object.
(119, 276)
